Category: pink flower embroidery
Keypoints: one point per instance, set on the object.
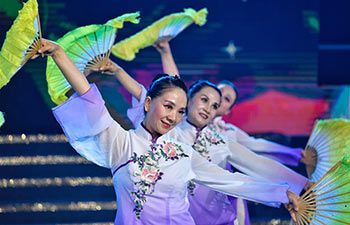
(149, 175)
(169, 149)
(149, 170)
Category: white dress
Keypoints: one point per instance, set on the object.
(150, 175)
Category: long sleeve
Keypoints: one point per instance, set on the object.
(91, 130)
(263, 168)
(236, 184)
(281, 153)
(136, 112)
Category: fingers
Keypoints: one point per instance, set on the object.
(34, 56)
(45, 50)
(293, 198)
(291, 210)
(293, 215)
(295, 204)
(48, 48)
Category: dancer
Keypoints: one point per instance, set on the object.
(150, 170)
(284, 154)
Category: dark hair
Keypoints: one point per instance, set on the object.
(229, 83)
(199, 85)
(161, 82)
(159, 75)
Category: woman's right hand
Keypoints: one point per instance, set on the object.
(48, 48)
(293, 205)
(162, 47)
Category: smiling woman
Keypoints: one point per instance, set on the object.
(165, 105)
(205, 99)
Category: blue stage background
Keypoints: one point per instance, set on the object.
(43, 180)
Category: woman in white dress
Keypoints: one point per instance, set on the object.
(150, 170)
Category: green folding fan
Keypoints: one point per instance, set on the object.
(166, 28)
(328, 142)
(21, 43)
(88, 47)
(327, 202)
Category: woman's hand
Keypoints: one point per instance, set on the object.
(162, 47)
(293, 205)
(48, 48)
(109, 68)
(308, 158)
(168, 62)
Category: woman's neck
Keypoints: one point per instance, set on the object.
(194, 125)
(154, 134)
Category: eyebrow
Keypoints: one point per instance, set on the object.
(170, 102)
(209, 98)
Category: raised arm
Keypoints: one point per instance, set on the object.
(130, 84)
(84, 118)
(75, 78)
(168, 62)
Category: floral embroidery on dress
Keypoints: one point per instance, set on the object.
(220, 126)
(204, 139)
(149, 170)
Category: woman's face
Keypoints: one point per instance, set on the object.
(202, 106)
(228, 98)
(165, 111)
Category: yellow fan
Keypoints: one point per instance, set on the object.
(328, 142)
(88, 47)
(327, 202)
(164, 29)
(23, 40)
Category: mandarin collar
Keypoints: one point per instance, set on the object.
(197, 129)
(143, 132)
(188, 127)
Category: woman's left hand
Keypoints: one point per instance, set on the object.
(110, 68)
